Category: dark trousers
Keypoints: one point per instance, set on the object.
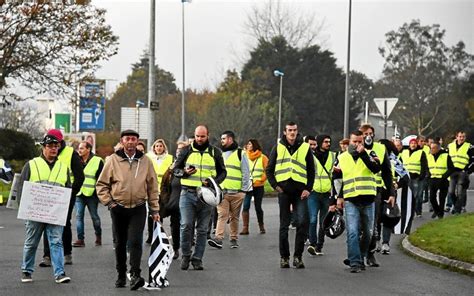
(440, 185)
(128, 225)
(175, 226)
(300, 214)
(67, 233)
(257, 194)
(212, 222)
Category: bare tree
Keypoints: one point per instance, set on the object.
(22, 117)
(300, 29)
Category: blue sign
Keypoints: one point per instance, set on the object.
(92, 106)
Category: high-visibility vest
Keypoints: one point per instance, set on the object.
(257, 168)
(291, 166)
(357, 179)
(205, 167)
(66, 157)
(41, 173)
(233, 180)
(412, 162)
(90, 171)
(439, 166)
(426, 149)
(379, 150)
(459, 156)
(160, 170)
(322, 180)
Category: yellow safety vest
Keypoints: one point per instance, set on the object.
(459, 156)
(357, 179)
(412, 162)
(160, 170)
(426, 149)
(257, 168)
(205, 167)
(322, 181)
(438, 167)
(233, 180)
(41, 173)
(379, 150)
(2, 163)
(90, 171)
(291, 166)
(66, 157)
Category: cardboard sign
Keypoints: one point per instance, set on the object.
(44, 203)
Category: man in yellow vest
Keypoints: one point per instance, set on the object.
(462, 155)
(414, 160)
(162, 160)
(318, 202)
(47, 169)
(72, 160)
(355, 187)
(236, 184)
(195, 165)
(290, 172)
(93, 166)
(440, 168)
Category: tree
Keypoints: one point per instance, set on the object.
(300, 29)
(422, 71)
(44, 45)
(16, 145)
(361, 91)
(136, 88)
(22, 117)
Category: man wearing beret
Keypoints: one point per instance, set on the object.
(126, 183)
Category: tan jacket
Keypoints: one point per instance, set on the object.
(128, 184)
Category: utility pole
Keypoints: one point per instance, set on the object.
(151, 73)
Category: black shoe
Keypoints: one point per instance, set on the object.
(136, 282)
(362, 267)
(176, 254)
(434, 215)
(312, 250)
(285, 262)
(347, 262)
(120, 282)
(371, 261)
(319, 251)
(148, 241)
(185, 262)
(355, 269)
(197, 264)
(215, 243)
(298, 262)
(46, 262)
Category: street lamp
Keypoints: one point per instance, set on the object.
(346, 98)
(138, 104)
(183, 135)
(280, 74)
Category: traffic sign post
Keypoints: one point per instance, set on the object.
(385, 106)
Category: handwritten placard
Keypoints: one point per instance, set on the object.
(44, 203)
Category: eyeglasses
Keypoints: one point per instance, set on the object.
(327, 141)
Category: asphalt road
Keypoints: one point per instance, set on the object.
(253, 269)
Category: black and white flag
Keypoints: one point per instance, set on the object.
(406, 204)
(161, 256)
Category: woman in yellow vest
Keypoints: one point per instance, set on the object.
(162, 160)
(258, 164)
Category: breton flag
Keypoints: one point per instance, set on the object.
(406, 204)
(161, 256)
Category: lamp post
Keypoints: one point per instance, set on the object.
(183, 135)
(346, 98)
(151, 73)
(280, 74)
(138, 104)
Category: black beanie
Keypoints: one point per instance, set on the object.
(320, 139)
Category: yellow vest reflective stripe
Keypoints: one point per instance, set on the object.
(204, 164)
(459, 157)
(412, 162)
(256, 167)
(357, 179)
(160, 170)
(438, 167)
(233, 180)
(291, 166)
(322, 181)
(90, 171)
(379, 150)
(66, 157)
(41, 173)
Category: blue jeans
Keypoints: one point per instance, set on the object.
(91, 202)
(318, 203)
(33, 233)
(300, 215)
(358, 216)
(193, 211)
(416, 187)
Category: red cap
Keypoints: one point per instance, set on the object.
(413, 140)
(56, 134)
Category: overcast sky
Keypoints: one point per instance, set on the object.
(216, 38)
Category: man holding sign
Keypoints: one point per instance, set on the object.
(45, 169)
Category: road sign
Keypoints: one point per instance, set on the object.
(389, 123)
(92, 105)
(380, 103)
(154, 106)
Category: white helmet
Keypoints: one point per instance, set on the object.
(212, 194)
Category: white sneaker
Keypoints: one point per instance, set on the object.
(385, 249)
